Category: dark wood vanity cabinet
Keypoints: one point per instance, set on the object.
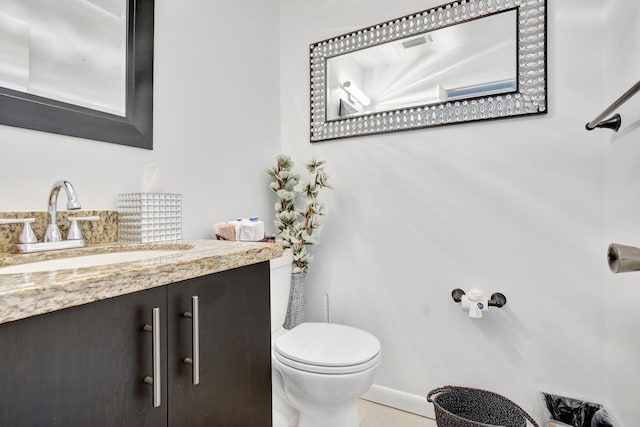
(86, 365)
(82, 366)
(234, 387)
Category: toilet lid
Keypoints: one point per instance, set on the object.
(327, 344)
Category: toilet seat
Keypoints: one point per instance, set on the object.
(327, 348)
(318, 369)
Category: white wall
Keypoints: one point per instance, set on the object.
(216, 123)
(514, 206)
(622, 214)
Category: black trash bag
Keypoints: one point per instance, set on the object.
(576, 413)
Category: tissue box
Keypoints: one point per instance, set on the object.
(149, 217)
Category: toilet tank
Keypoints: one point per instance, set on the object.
(280, 283)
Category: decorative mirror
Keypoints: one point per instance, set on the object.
(463, 61)
(78, 67)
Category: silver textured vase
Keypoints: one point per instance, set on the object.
(295, 308)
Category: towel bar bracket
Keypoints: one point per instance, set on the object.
(613, 123)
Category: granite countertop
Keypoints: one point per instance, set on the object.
(28, 294)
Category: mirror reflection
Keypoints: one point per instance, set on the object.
(72, 51)
(433, 67)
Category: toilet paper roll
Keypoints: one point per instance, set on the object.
(464, 303)
(251, 230)
(475, 311)
(474, 302)
(623, 258)
(259, 230)
(247, 230)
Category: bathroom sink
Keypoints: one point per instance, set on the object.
(86, 261)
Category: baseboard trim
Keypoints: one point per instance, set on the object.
(400, 400)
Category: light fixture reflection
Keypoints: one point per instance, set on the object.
(355, 92)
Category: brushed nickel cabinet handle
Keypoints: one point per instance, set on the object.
(194, 360)
(155, 379)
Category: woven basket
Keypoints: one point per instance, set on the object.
(470, 407)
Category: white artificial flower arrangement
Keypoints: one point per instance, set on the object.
(296, 226)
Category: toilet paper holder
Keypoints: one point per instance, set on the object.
(496, 299)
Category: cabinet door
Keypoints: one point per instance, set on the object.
(235, 350)
(82, 366)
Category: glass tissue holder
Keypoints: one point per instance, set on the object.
(149, 217)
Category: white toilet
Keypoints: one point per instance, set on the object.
(319, 369)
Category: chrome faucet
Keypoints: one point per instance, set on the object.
(27, 241)
(52, 232)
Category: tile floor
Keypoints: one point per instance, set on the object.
(375, 415)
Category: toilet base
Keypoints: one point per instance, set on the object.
(325, 392)
(284, 415)
(343, 415)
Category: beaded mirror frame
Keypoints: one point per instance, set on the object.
(529, 97)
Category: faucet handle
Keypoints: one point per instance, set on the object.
(74, 230)
(26, 235)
